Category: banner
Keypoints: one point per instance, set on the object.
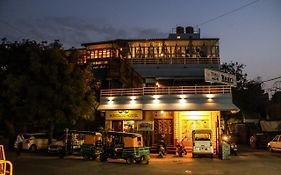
(123, 115)
(145, 125)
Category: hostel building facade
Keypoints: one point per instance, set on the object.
(158, 87)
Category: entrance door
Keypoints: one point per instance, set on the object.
(164, 127)
(117, 125)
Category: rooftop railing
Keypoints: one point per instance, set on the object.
(175, 60)
(171, 90)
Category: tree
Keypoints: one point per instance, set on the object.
(44, 84)
(248, 96)
(236, 69)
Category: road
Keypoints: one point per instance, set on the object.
(257, 162)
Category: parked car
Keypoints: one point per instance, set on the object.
(275, 143)
(35, 141)
(202, 142)
(69, 143)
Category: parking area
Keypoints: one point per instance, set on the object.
(248, 161)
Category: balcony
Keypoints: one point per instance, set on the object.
(179, 60)
(171, 90)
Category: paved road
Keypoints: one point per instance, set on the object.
(257, 162)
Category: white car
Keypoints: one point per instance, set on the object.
(35, 141)
(275, 143)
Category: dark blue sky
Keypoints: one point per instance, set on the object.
(250, 35)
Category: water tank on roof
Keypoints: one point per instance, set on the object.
(189, 30)
(180, 30)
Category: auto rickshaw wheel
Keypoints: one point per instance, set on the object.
(103, 157)
(86, 157)
(139, 160)
(145, 159)
(130, 160)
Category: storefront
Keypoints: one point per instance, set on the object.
(170, 115)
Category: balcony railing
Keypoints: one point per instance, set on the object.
(177, 60)
(171, 90)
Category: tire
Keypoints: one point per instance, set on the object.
(94, 157)
(86, 157)
(270, 149)
(193, 155)
(33, 148)
(145, 159)
(130, 160)
(103, 157)
(139, 160)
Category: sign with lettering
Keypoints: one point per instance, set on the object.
(213, 76)
(123, 115)
(145, 125)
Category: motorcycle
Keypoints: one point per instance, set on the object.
(233, 146)
(180, 150)
(161, 148)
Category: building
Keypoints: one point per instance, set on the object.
(157, 86)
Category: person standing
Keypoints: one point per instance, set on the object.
(19, 143)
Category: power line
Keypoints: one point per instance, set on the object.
(271, 79)
(227, 13)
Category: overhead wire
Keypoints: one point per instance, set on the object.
(227, 13)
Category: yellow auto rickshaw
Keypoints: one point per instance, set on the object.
(92, 146)
(128, 146)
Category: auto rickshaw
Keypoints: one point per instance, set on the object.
(92, 146)
(202, 142)
(128, 146)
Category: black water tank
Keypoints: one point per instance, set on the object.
(189, 29)
(180, 30)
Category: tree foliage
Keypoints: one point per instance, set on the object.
(248, 96)
(43, 83)
(236, 69)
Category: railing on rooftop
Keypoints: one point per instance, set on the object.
(171, 90)
(175, 60)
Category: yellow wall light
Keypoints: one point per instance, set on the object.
(210, 96)
(110, 100)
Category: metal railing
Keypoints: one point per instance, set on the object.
(6, 167)
(170, 90)
(174, 60)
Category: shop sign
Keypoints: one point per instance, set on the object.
(213, 76)
(124, 115)
(145, 125)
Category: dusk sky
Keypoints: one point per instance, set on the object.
(249, 30)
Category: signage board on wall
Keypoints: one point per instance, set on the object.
(124, 115)
(213, 76)
(145, 125)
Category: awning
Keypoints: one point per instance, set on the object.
(173, 107)
(120, 107)
(192, 107)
